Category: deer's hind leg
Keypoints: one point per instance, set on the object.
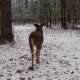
(33, 52)
(38, 54)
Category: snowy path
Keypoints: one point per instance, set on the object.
(60, 56)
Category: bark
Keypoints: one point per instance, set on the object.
(63, 19)
(50, 15)
(6, 26)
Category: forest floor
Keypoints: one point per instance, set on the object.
(59, 60)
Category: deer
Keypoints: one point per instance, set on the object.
(35, 43)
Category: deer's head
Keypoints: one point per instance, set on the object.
(39, 26)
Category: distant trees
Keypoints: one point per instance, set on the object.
(70, 13)
(46, 13)
(26, 3)
(75, 13)
(50, 11)
(44, 10)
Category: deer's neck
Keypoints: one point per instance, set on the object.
(39, 30)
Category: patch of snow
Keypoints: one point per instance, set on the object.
(59, 60)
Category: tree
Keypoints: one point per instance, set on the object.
(63, 17)
(26, 3)
(50, 14)
(6, 26)
(44, 11)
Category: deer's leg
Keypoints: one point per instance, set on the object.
(33, 60)
(34, 55)
(38, 54)
(33, 51)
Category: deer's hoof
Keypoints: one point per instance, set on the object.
(31, 68)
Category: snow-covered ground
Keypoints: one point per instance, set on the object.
(59, 60)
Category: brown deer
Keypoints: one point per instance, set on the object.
(35, 42)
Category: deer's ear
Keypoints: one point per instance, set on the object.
(36, 25)
(42, 24)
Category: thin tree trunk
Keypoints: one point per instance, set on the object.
(63, 20)
(73, 20)
(40, 11)
(50, 15)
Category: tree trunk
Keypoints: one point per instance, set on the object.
(40, 15)
(6, 26)
(50, 19)
(63, 19)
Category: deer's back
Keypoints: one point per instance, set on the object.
(37, 37)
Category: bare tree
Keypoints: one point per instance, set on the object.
(50, 14)
(6, 26)
(63, 19)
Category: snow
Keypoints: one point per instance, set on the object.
(59, 60)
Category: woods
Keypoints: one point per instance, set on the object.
(50, 12)
(39, 39)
